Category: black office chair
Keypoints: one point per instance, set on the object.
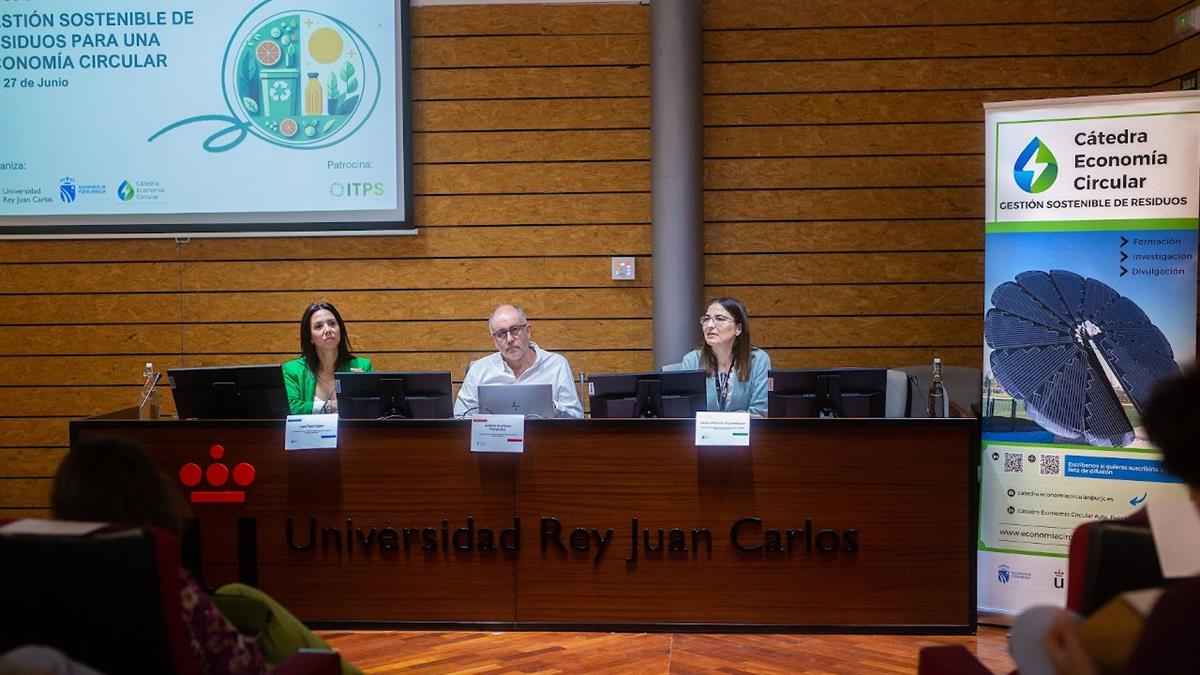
(109, 599)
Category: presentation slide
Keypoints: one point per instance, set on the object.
(193, 116)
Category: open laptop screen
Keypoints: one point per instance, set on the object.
(530, 400)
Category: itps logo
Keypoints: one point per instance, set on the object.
(1036, 168)
(217, 476)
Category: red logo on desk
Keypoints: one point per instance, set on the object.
(216, 476)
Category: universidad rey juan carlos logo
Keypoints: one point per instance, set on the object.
(216, 479)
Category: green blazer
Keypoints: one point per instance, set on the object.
(301, 384)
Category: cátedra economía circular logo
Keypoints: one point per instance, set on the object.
(296, 78)
(1035, 168)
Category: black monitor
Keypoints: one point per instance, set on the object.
(414, 395)
(229, 392)
(834, 392)
(678, 393)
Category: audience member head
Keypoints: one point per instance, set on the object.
(115, 480)
(511, 332)
(322, 330)
(1172, 421)
(725, 326)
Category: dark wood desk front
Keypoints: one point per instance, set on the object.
(848, 525)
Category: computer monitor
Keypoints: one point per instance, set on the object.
(834, 392)
(414, 395)
(678, 393)
(229, 392)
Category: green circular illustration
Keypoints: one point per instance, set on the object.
(299, 77)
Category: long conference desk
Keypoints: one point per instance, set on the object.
(847, 525)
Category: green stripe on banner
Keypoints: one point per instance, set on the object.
(1018, 551)
(1099, 117)
(1063, 447)
(741, 433)
(1093, 225)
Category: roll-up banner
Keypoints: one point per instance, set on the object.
(1090, 299)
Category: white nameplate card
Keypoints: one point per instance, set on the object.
(722, 428)
(498, 433)
(310, 432)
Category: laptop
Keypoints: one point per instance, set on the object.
(530, 400)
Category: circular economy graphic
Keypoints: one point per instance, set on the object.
(300, 77)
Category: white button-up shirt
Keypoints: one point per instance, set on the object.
(548, 368)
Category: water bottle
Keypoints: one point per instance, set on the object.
(150, 403)
(937, 391)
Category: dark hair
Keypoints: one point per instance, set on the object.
(115, 480)
(309, 350)
(1170, 419)
(741, 343)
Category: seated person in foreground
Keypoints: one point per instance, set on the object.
(737, 371)
(325, 350)
(1161, 644)
(114, 480)
(518, 360)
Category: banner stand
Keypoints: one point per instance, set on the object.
(1089, 299)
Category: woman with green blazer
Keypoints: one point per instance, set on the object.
(325, 349)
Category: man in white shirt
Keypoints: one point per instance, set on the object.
(518, 361)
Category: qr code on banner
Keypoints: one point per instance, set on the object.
(1051, 465)
(1014, 462)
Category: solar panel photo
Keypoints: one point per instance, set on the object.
(1049, 333)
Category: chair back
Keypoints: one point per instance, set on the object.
(898, 401)
(109, 599)
(1110, 557)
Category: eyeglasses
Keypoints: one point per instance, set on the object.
(717, 320)
(515, 331)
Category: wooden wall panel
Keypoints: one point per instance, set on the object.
(839, 172)
(532, 115)
(822, 13)
(31, 462)
(532, 146)
(876, 107)
(526, 20)
(924, 74)
(544, 209)
(909, 41)
(496, 51)
(843, 202)
(844, 140)
(531, 177)
(24, 492)
(33, 432)
(845, 235)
